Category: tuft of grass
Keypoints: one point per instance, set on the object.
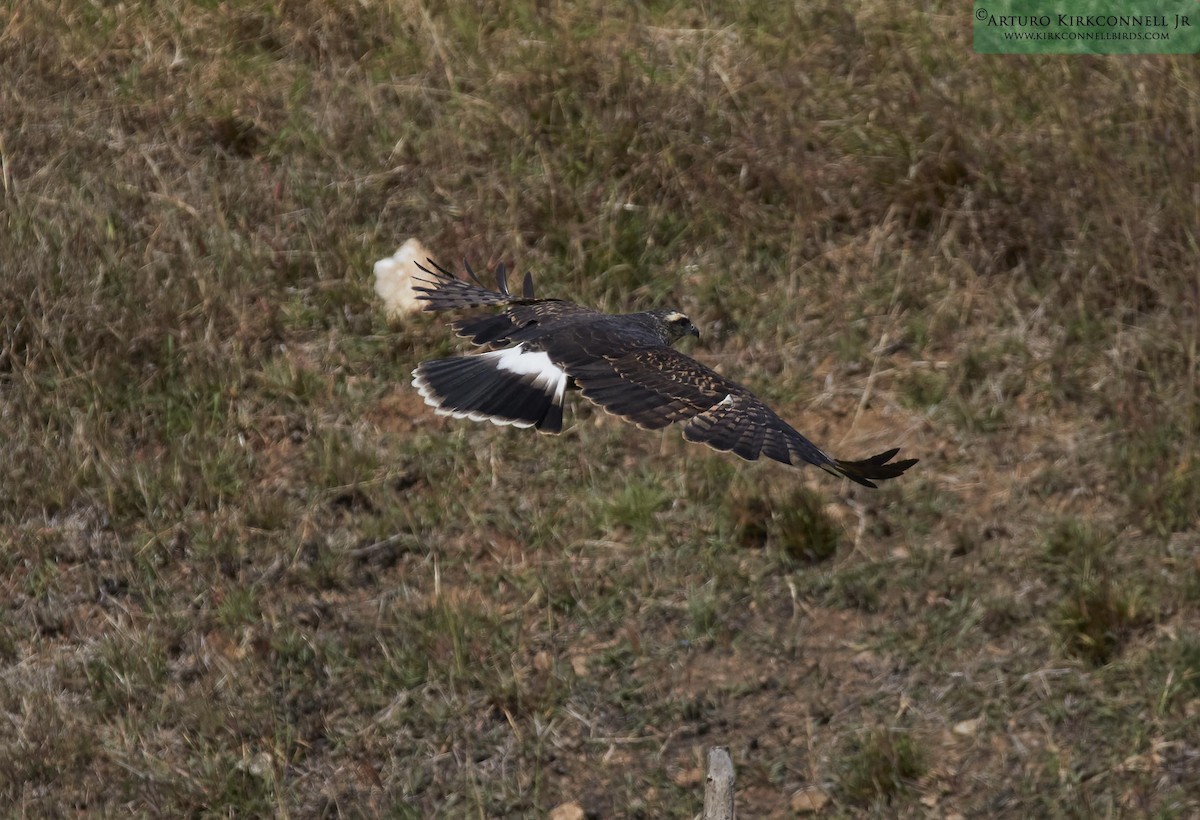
(1074, 542)
(1159, 466)
(703, 611)
(880, 764)
(338, 463)
(1187, 666)
(860, 587)
(125, 674)
(1098, 606)
(63, 742)
(793, 522)
(802, 531)
(1098, 612)
(635, 505)
(923, 389)
(751, 514)
(239, 606)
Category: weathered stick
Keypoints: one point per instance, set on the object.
(718, 787)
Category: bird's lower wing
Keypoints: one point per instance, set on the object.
(742, 424)
(655, 387)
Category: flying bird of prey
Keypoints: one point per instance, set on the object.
(624, 363)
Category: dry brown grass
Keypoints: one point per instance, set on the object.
(247, 574)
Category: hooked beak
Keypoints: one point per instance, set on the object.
(693, 331)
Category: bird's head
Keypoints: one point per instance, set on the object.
(677, 325)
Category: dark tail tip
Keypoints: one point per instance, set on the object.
(876, 468)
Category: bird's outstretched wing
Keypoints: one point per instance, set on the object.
(442, 290)
(659, 386)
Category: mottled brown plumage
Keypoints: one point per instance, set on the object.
(623, 363)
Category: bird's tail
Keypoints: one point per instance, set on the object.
(876, 468)
(442, 290)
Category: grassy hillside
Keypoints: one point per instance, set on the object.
(246, 572)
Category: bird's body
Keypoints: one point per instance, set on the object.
(621, 362)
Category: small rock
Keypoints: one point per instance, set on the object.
(568, 811)
(808, 801)
(967, 728)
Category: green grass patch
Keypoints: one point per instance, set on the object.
(1098, 612)
(880, 765)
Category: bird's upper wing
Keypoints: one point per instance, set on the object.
(657, 386)
(442, 290)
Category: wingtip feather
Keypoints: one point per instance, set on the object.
(502, 279)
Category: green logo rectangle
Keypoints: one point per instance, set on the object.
(1087, 26)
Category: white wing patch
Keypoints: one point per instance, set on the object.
(530, 367)
(530, 363)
